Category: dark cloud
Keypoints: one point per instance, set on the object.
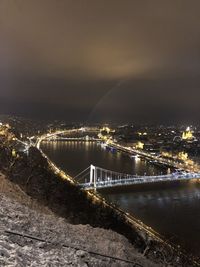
(100, 60)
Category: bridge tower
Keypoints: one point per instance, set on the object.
(93, 176)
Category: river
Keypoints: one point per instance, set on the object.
(171, 208)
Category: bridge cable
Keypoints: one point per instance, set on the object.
(81, 172)
(83, 176)
(116, 173)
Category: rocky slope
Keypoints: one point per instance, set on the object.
(19, 213)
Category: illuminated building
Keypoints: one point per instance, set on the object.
(187, 135)
(139, 145)
(140, 134)
(183, 156)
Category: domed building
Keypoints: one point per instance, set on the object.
(187, 135)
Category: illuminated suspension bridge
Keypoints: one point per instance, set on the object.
(95, 177)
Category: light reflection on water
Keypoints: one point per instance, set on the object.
(75, 156)
(173, 209)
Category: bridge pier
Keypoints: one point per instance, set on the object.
(93, 176)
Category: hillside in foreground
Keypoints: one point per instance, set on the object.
(21, 214)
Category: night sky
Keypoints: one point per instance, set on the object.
(120, 61)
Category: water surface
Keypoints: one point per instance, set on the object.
(172, 209)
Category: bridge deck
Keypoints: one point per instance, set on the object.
(101, 178)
